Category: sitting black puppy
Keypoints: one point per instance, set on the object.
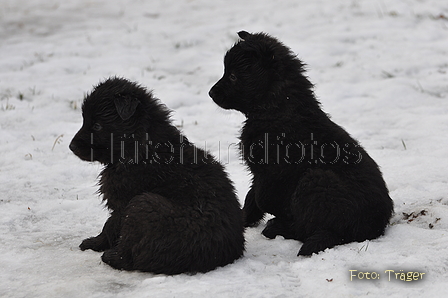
(318, 182)
(173, 208)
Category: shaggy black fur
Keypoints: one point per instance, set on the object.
(318, 182)
(173, 208)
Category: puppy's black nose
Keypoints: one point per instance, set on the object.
(72, 147)
(212, 93)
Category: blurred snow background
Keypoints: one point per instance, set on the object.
(380, 70)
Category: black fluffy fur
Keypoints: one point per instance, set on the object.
(319, 183)
(173, 208)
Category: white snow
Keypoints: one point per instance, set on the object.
(380, 69)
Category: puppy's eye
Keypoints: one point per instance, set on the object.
(232, 77)
(97, 127)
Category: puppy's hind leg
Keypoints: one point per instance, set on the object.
(148, 220)
(323, 210)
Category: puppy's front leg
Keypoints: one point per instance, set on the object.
(252, 214)
(108, 236)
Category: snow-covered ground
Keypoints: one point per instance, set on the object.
(380, 69)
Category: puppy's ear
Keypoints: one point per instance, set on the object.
(126, 106)
(244, 34)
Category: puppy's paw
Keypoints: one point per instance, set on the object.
(271, 230)
(97, 243)
(307, 250)
(276, 227)
(318, 242)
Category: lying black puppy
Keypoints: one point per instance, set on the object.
(318, 182)
(173, 208)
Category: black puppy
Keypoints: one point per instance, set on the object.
(173, 208)
(318, 182)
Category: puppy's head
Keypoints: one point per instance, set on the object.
(256, 70)
(115, 117)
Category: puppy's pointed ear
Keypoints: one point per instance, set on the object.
(126, 106)
(244, 34)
